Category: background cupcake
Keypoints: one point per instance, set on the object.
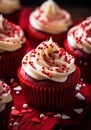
(78, 43)
(48, 20)
(12, 48)
(48, 76)
(5, 105)
(10, 9)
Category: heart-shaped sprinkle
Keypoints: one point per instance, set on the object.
(35, 120)
(15, 112)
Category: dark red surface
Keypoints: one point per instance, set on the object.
(29, 118)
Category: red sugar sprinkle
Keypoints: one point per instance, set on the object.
(24, 62)
(40, 48)
(15, 84)
(51, 45)
(57, 69)
(31, 63)
(26, 58)
(56, 51)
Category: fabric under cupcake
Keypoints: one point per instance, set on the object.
(78, 43)
(5, 105)
(12, 48)
(48, 77)
(48, 20)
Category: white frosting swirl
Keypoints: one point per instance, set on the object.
(8, 6)
(50, 18)
(5, 96)
(11, 36)
(48, 61)
(79, 37)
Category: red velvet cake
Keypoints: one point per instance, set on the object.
(5, 105)
(48, 77)
(12, 48)
(48, 20)
(78, 43)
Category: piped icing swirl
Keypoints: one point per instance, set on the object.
(5, 96)
(50, 18)
(48, 61)
(79, 37)
(11, 36)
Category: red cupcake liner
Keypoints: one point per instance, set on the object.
(10, 61)
(82, 60)
(48, 95)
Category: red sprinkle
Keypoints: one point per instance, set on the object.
(15, 84)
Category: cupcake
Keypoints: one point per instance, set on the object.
(12, 48)
(48, 77)
(10, 9)
(5, 105)
(78, 43)
(48, 20)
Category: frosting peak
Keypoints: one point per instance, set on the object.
(48, 61)
(79, 37)
(50, 8)
(50, 18)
